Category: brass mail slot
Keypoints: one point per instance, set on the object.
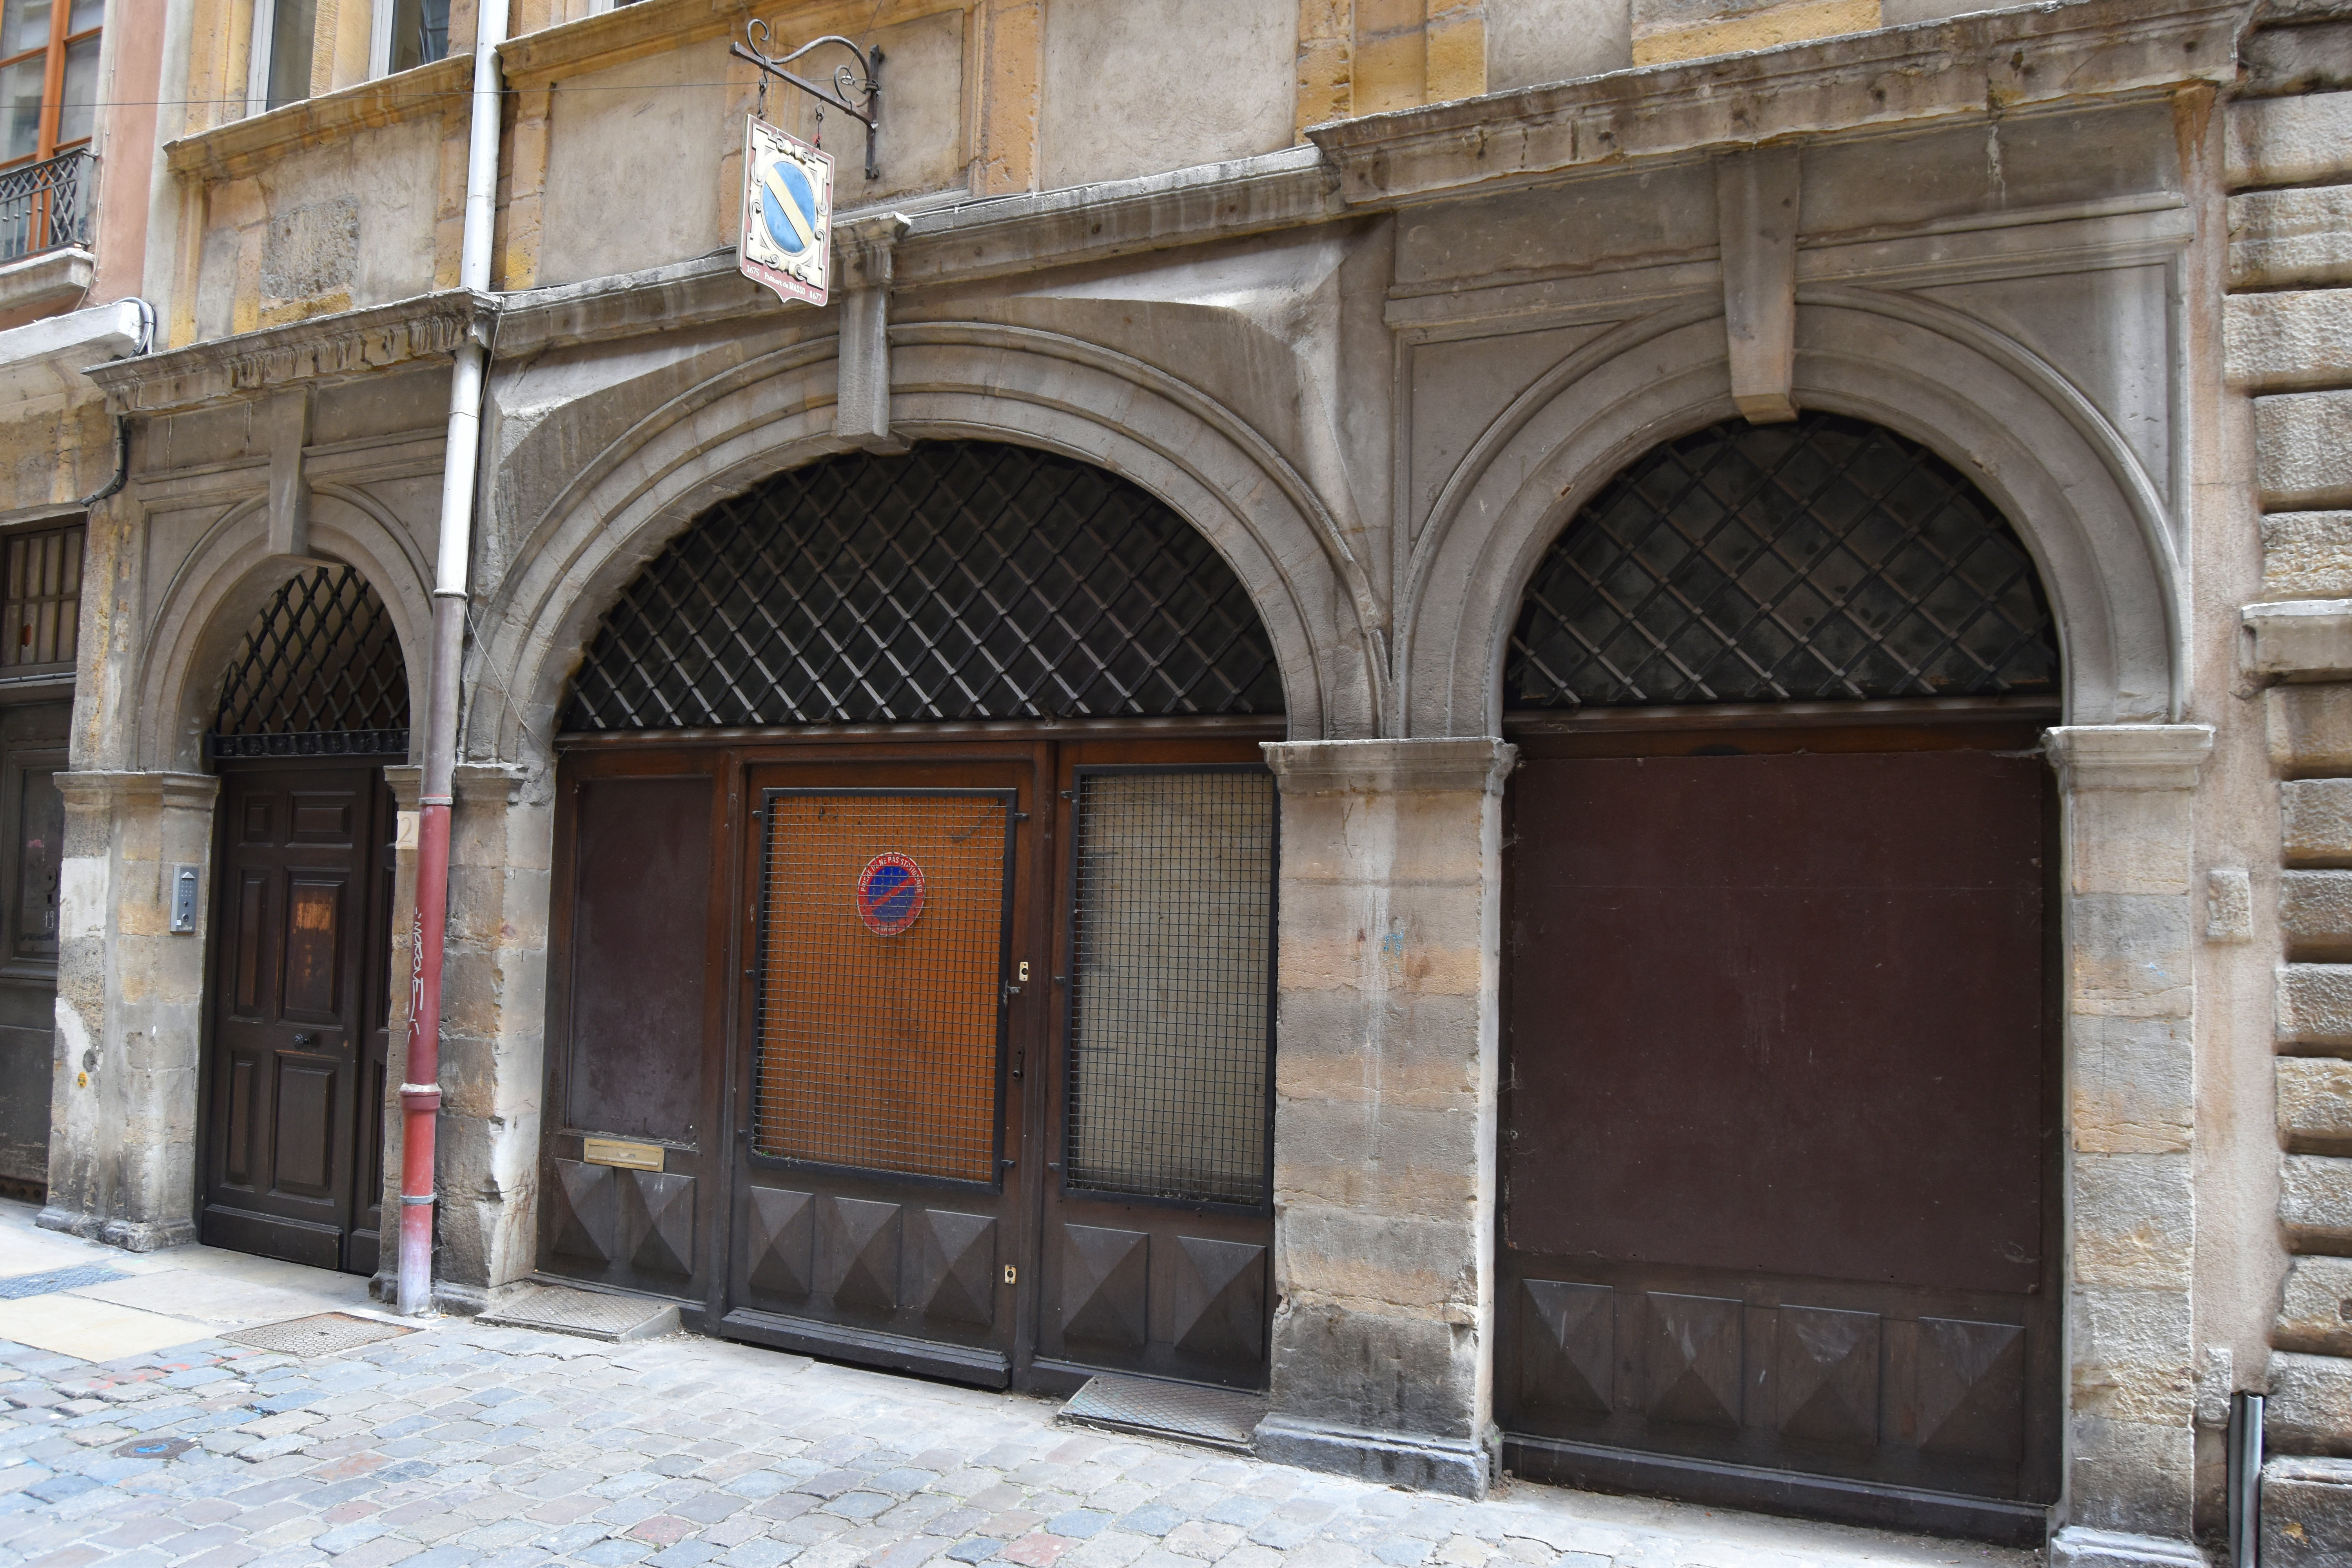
(613, 1152)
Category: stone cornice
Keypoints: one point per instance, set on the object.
(347, 343)
(1991, 62)
(1434, 765)
(2128, 757)
(243, 147)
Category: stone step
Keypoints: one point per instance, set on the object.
(607, 1315)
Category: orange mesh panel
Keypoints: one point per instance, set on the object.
(880, 1051)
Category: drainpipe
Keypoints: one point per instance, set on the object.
(420, 1097)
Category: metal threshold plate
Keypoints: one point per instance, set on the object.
(1217, 1417)
(321, 1334)
(592, 1314)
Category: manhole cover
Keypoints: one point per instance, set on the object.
(1216, 1416)
(153, 1448)
(320, 1336)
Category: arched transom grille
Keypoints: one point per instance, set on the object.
(1826, 559)
(320, 674)
(962, 579)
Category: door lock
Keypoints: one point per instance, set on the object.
(1024, 974)
(1011, 1275)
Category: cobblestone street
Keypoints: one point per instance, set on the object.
(463, 1443)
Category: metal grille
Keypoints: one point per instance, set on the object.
(878, 1052)
(963, 580)
(322, 1333)
(46, 205)
(319, 675)
(42, 611)
(1826, 559)
(1171, 985)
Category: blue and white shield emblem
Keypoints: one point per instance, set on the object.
(787, 234)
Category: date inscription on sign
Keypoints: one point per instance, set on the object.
(890, 894)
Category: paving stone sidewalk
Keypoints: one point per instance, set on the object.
(463, 1443)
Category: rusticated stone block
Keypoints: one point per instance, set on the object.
(2315, 821)
(2310, 1405)
(2310, 728)
(2290, 141)
(2315, 1104)
(2306, 1512)
(2315, 912)
(2291, 239)
(2308, 555)
(2301, 442)
(2132, 1355)
(2133, 1086)
(2133, 955)
(2289, 338)
(2315, 1200)
(2314, 1004)
(2317, 1313)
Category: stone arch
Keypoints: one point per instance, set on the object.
(226, 579)
(2086, 512)
(950, 380)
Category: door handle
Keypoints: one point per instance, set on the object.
(306, 1040)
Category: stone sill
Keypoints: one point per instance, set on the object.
(2304, 638)
(243, 147)
(57, 279)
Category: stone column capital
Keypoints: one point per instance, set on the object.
(1430, 766)
(2128, 757)
(99, 787)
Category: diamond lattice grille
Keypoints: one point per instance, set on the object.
(1826, 559)
(962, 579)
(320, 673)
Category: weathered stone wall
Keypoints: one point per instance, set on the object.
(2289, 314)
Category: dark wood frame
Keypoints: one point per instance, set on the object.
(1996, 724)
(737, 761)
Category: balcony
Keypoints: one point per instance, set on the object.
(45, 205)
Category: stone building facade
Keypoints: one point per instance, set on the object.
(1380, 301)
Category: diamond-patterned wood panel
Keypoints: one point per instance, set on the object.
(780, 1242)
(1568, 1347)
(1216, 1305)
(657, 1220)
(858, 1252)
(951, 1266)
(1972, 1388)
(1105, 1285)
(1692, 1358)
(1826, 1375)
(582, 1212)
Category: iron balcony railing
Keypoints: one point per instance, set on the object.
(45, 205)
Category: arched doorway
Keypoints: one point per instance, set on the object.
(912, 988)
(313, 705)
(1780, 1222)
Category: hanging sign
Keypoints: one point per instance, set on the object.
(787, 236)
(890, 894)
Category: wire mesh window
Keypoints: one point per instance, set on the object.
(1172, 985)
(882, 953)
(962, 579)
(1826, 559)
(320, 674)
(40, 575)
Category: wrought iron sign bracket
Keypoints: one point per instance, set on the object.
(864, 84)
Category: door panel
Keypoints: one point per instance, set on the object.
(1158, 1202)
(1777, 1129)
(301, 991)
(873, 1213)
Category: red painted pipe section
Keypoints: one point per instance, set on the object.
(420, 1095)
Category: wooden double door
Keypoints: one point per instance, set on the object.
(298, 1025)
(1779, 1228)
(948, 1057)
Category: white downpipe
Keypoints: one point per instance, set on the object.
(420, 1096)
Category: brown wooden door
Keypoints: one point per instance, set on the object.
(300, 961)
(1777, 1229)
(809, 1050)
(1158, 1225)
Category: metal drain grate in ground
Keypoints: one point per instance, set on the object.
(1218, 1417)
(321, 1334)
(25, 1285)
(592, 1314)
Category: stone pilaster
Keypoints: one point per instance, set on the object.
(1385, 1109)
(2129, 792)
(123, 1142)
